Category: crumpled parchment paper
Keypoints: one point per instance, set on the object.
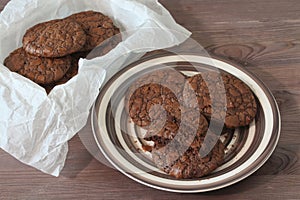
(34, 126)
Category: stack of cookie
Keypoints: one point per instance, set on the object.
(176, 111)
(51, 50)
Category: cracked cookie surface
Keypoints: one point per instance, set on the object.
(73, 71)
(38, 69)
(192, 126)
(225, 96)
(189, 162)
(97, 27)
(154, 96)
(55, 38)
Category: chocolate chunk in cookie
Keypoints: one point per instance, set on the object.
(38, 69)
(97, 27)
(55, 38)
(214, 89)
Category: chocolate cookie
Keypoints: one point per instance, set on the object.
(105, 47)
(189, 163)
(38, 69)
(240, 108)
(74, 67)
(177, 147)
(161, 136)
(147, 94)
(73, 70)
(144, 104)
(55, 38)
(193, 126)
(97, 27)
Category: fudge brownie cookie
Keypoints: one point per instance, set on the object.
(40, 70)
(55, 38)
(97, 27)
(105, 47)
(160, 87)
(167, 132)
(241, 105)
(73, 70)
(144, 104)
(74, 67)
(177, 150)
(190, 163)
(193, 126)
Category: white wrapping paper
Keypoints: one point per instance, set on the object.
(34, 126)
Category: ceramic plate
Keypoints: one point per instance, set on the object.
(247, 148)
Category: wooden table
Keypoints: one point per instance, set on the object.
(262, 35)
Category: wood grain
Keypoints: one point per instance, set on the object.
(261, 35)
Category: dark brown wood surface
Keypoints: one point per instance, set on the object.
(263, 36)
